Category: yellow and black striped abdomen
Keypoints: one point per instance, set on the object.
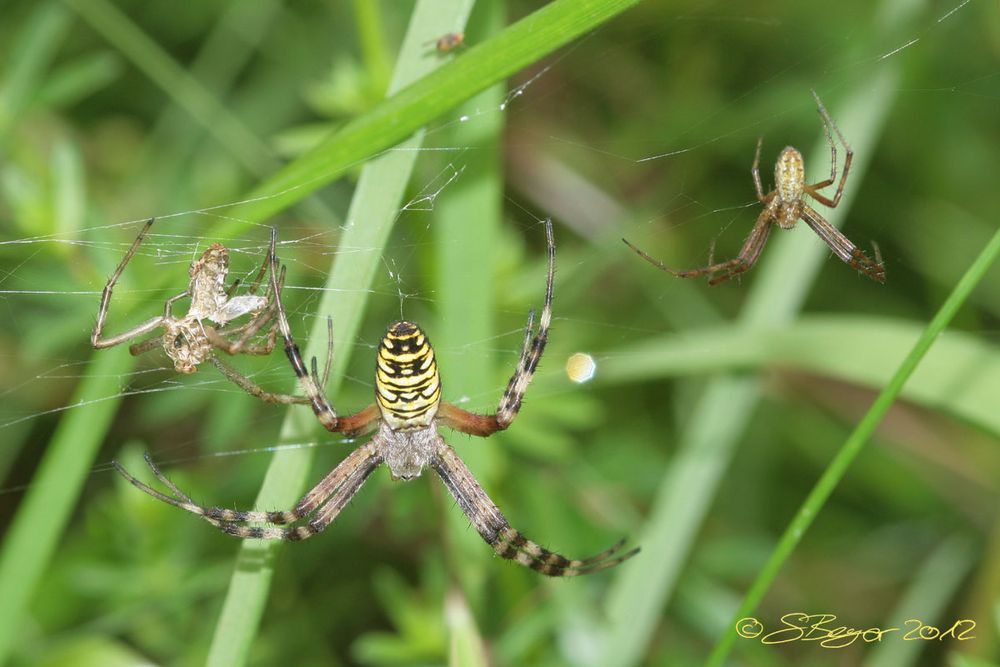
(407, 383)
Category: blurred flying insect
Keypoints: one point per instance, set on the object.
(207, 326)
(449, 42)
(786, 205)
(405, 416)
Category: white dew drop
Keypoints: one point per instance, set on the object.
(581, 367)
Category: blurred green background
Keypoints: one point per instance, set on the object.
(713, 410)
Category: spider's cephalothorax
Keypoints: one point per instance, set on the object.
(194, 337)
(786, 205)
(407, 412)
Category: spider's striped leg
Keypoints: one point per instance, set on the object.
(507, 542)
(169, 483)
(354, 470)
(531, 353)
(533, 346)
(229, 521)
(353, 424)
(842, 246)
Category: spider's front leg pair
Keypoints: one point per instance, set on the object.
(447, 413)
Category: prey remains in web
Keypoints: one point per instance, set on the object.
(786, 205)
(209, 323)
(405, 416)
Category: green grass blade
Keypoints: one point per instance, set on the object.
(42, 516)
(466, 645)
(375, 207)
(368, 18)
(155, 63)
(224, 54)
(838, 467)
(960, 376)
(780, 284)
(934, 587)
(475, 70)
(29, 56)
(466, 231)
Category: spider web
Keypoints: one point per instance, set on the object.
(545, 143)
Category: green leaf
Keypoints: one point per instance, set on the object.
(402, 114)
(960, 375)
(858, 438)
(779, 286)
(42, 516)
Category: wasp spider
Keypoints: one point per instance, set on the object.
(407, 412)
(784, 206)
(189, 340)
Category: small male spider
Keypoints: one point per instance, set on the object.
(188, 340)
(407, 412)
(449, 42)
(784, 206)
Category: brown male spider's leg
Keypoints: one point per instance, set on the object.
(848, 158)
(507, 542)
(752, 247)
(96, 338)
(327, 416)
(747, 257)
(531, 353)
(329, 497)
(755, 171)
(649, 258)
(842, 246)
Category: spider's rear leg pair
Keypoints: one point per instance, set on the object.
(784, 206)
(325, 500)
